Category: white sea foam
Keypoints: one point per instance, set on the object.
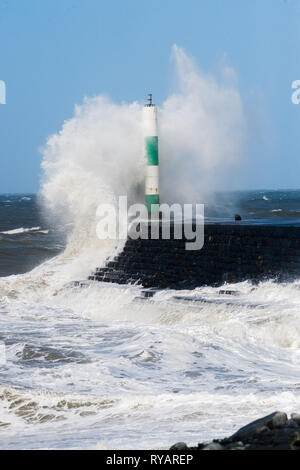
(165, 367)
(21, 230)
(98, 365)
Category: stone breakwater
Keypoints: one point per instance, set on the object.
(231, 253)
(273, 432)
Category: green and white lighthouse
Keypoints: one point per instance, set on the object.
(151, 154)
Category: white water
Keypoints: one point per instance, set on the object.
(98, 367)
(16, 231)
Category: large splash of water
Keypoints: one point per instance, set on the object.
(98, 154)
(202, 132)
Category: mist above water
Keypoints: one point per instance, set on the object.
(202, 133)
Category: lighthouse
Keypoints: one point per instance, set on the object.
(151, 155)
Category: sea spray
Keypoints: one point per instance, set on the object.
(96, 157)
(202, 133)
(98, 154)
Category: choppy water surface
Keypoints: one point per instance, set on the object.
(100, 367)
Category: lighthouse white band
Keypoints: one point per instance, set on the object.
(151, 179)
(150, 121)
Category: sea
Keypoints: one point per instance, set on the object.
(92, 366)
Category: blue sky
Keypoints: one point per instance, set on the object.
(55, 52)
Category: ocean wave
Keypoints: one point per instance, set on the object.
(109, 356)
(22, 230)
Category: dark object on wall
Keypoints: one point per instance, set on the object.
(237, 217)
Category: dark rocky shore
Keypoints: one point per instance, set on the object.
(273, 432)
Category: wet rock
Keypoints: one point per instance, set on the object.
(179, 446)
(272, 432)
(296, 442)
(214, 446)
(292, 423)
(260, 425)
(279, 419)
(296, 417)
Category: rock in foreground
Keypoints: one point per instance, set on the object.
(273, 432)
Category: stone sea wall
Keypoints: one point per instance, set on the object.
(231, 253)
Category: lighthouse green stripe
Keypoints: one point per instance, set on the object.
(151, 144)
(152, 202)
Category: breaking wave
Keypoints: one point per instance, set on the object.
(96, 365)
